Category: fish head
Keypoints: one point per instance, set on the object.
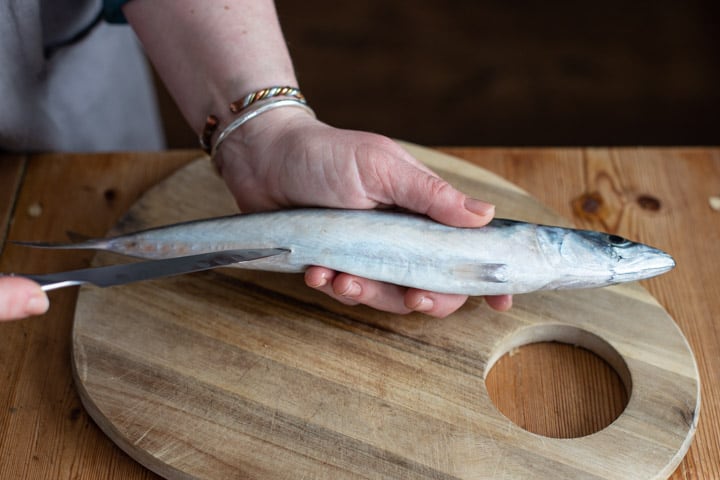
(622, 260)
(637, 261)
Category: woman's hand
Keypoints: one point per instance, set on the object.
(285, 158)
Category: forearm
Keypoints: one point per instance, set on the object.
(210, 53)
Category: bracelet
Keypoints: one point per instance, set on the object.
(252, 112)
(264, 93)
(212, 122)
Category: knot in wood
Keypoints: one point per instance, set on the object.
(648, 202)
(589, 205)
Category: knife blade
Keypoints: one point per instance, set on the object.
(150, 269)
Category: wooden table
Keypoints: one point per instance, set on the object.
(661, 196)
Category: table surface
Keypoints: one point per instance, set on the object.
(659, 196)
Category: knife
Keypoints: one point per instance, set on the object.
(149, 269)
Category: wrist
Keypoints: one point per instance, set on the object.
(245, 108)
(221, 98)
(270, 125)
(258, 158)
(256, 128)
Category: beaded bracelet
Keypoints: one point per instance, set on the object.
(212, 122)
(249, 113)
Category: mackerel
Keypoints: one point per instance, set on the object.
(503, 257)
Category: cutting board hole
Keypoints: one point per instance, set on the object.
(549, 372)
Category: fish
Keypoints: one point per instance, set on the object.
(503, 257)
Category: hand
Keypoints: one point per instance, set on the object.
(285, 158)
(20, 297)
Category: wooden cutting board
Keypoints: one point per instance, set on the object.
(240, 374)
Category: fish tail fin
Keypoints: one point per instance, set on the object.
(77, 242)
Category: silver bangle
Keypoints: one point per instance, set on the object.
(212, 122)
(258, 108)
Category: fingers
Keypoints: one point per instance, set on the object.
(20, 298)
(438, 305)
(321, 279)
(352, 290)
(501, 303)
(392, 176)
(443, 203)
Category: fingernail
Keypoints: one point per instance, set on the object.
(425, 304)
(37, 304)
(479, 207)
(353, 290)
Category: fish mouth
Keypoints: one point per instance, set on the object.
(647, 267)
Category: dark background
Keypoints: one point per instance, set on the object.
(508, 73)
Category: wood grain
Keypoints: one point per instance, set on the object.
(251, 374)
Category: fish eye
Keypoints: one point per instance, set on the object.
(618, 241)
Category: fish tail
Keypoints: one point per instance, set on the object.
(78, 242)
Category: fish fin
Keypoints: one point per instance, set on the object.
(487, 272)
(88, 244)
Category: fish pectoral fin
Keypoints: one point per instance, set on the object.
(485, 272)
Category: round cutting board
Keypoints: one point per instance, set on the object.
(241, 374)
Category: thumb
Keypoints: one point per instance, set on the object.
(416, 188)
(452, 207)
(20, 297)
